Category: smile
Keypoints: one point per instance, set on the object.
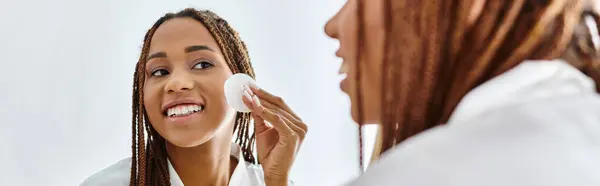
(183, 110)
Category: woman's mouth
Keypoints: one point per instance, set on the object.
(183, 110)
(344, 83)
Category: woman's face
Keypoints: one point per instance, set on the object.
(343, 27)
(183, 91)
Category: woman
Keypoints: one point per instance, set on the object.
(179, 102)
(489, 92)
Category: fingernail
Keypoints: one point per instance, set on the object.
(247, 88)
(247, 95)
(254, 87)
(256, 101)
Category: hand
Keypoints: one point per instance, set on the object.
(279, 133)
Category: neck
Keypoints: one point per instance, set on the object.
(206, 164)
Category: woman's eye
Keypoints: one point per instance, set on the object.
(160, 72)
(203, 65)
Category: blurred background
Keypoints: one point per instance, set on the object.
(65, 104)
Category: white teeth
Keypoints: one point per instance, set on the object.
(183, 110)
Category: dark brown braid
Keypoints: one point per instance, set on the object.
(433, 57)
(149, 157)
(359, 49)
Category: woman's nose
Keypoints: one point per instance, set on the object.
(330, 27)
(179, 83)
(332, 24)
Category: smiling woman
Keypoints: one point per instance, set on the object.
(179, 103)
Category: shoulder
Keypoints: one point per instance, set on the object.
(116, 174)
(579, 114)
(568, 119)
(550, 142)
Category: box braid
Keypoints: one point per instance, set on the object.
(359, 49)
(433, 57)
(149, 157)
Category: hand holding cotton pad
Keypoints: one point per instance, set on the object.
(234, 91)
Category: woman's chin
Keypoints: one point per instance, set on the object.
(367, 118)
(187, 142)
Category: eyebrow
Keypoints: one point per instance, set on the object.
(157, 55)
(187, 50)
(197, 47)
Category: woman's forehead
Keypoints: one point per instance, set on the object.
(181, 32)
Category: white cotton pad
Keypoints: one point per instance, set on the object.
(234, 90)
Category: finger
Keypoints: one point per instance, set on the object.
(297, 123)
(276, 120)
(260, 125)
(276, 100)
(292, 123)
(272, 106)
(248, 100)
(300, 133)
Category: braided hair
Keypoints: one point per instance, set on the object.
(433, 56)
(149, 157)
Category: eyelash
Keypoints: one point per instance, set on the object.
(200, 62)
(165, 72)
(153, 73)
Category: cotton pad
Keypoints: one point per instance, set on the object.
(234, 90)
